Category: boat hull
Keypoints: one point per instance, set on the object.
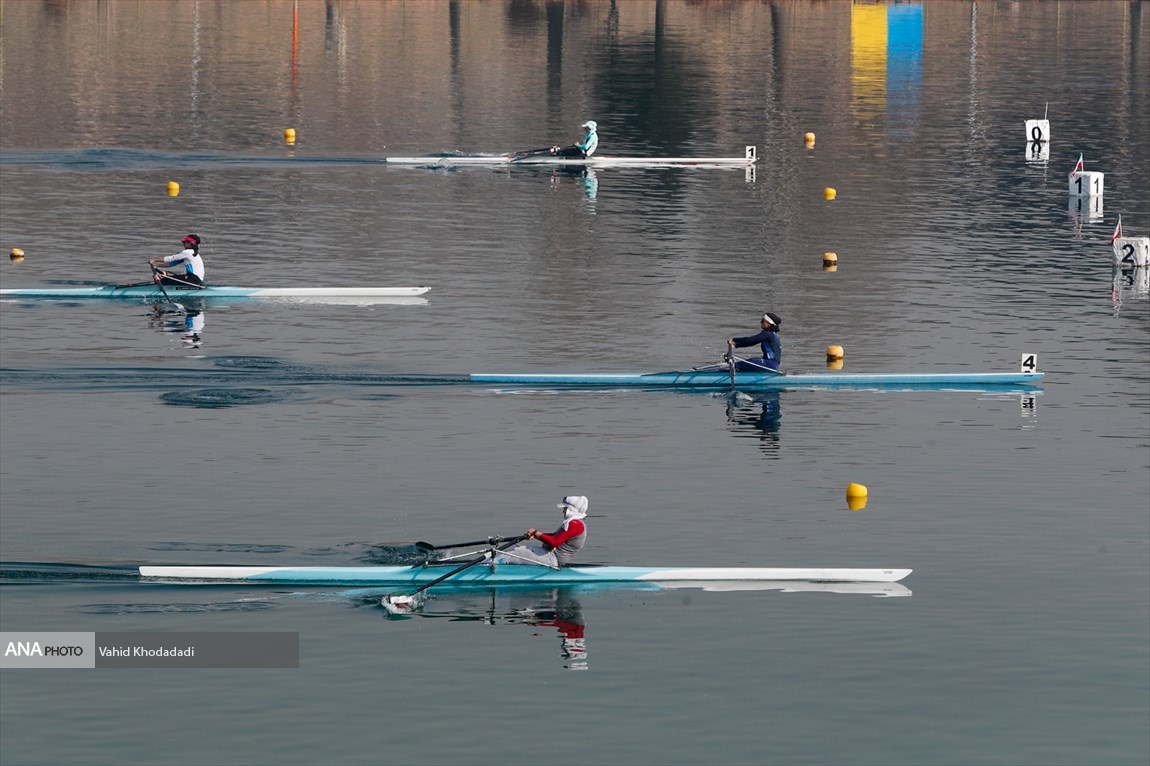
(595, 162)
(513, 574)
(765, 380)
(153, 292)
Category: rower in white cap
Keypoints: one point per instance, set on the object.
(557, 548)
(584, 148)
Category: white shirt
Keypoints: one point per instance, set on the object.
(193, 263)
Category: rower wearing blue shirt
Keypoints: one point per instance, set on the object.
(584, 148)
(768, 336)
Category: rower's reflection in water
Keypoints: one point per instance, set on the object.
(557, 608)
(581, 173)
(760, 413)
(566, 616)
(186, 319)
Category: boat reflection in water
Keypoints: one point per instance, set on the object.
(185, 318)
(561, 608)
(581, 173)
(534, 607)
(758, 414)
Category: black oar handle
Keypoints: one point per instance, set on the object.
(530, 153)
(471, 563)
(485, 541)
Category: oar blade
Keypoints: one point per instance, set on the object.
(398, 603)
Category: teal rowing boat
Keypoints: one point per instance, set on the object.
(767, 380)
(511, 574)
(153, 292)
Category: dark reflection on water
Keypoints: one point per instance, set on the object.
(129, 159)
(32, 573)
(220, 398)
(559, 609)
(537, 609)
(219, 547)
(759, 416)
(207, 607)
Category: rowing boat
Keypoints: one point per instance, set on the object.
(152, 291)
(877, 589)
(514, 574)
(771, 381)
(599, 161)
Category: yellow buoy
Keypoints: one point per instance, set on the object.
(16, 255)
(829, 193)
(809, 139)
(830, 261)
(856, 496)
(834, 352)
(289, 135)
(173, 189)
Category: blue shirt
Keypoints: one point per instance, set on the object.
(590, 141)
(772, 346)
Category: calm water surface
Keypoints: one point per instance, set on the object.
(1023, 635)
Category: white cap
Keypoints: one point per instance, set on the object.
(577, 503)
(590, 124)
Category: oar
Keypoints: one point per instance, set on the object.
(129, 284)
(730, 357)
(530, 153)
(486, 541)
(160, 282)
(186, 285)
(398, 603)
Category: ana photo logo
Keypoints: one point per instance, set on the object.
(33, 649)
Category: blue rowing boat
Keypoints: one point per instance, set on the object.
(150, 291)
(513, 574)
(767, 381)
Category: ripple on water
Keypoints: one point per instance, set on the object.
(219, 398)
(185, 608)
(220, 547)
